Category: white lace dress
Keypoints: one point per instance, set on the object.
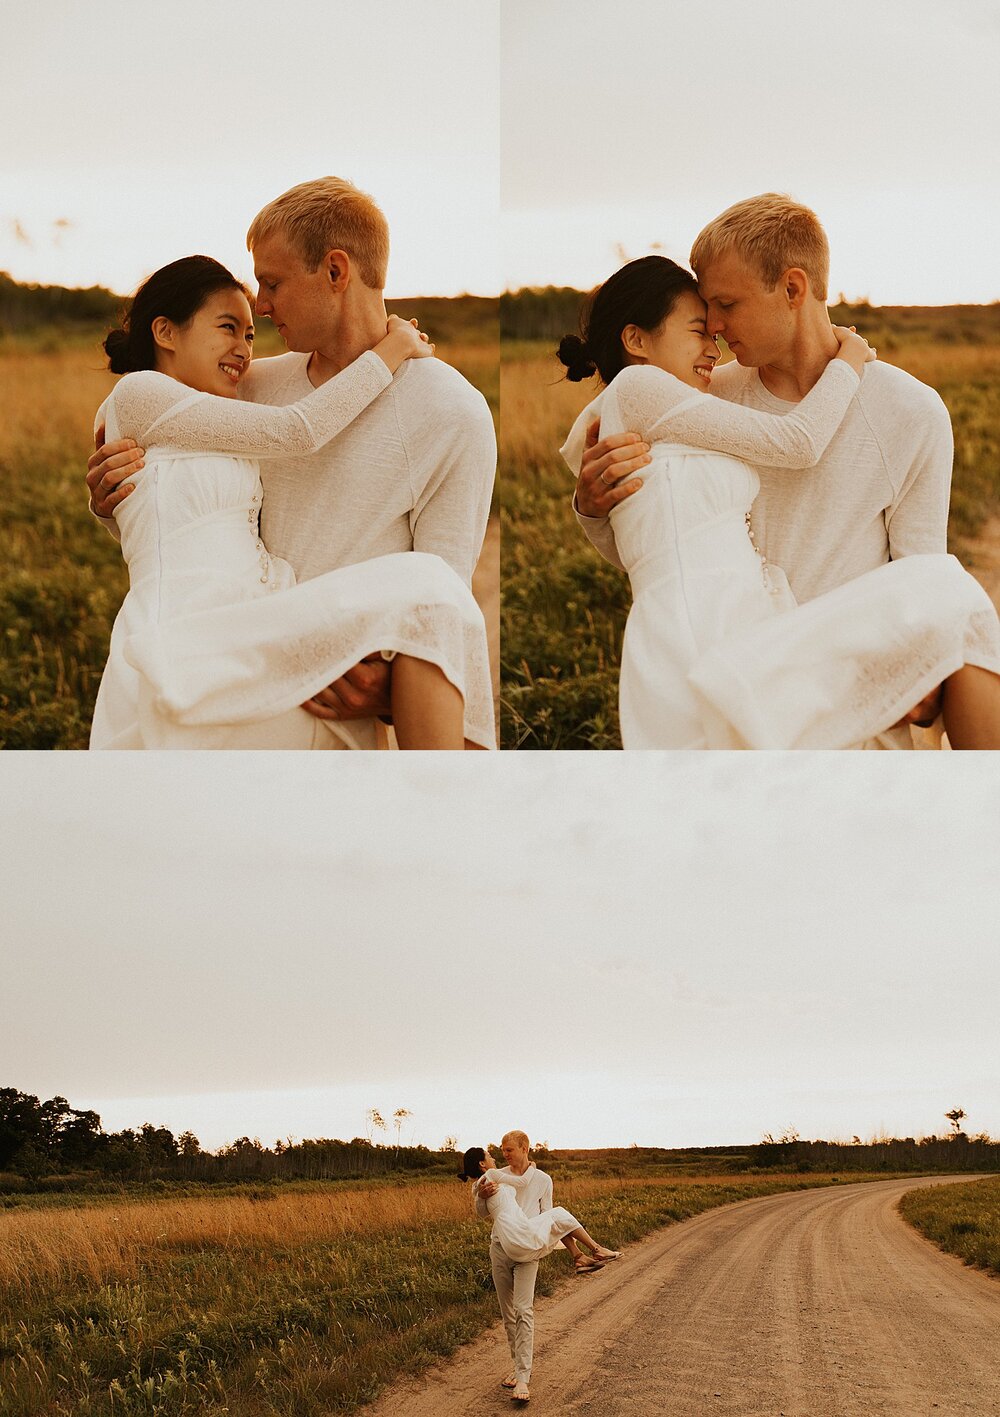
(716, 652)
(215, 645)
(524, 1237)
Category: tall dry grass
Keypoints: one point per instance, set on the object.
(304, 1302)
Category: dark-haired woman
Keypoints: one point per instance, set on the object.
(522, 1237)
(215, 646)
(716, 653)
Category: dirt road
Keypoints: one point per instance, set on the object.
(814, 1304)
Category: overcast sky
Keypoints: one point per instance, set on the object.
(600, 948)
(635, 124)
(137, 133)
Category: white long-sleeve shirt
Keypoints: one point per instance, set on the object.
(534, 1196)
(413, 472)
(879, 492)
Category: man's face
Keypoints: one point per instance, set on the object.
(756, 323)
(515, 1155)
(293, 298)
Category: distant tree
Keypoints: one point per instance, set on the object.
(188, 1144)
(80, 1139)
(398, 1118)
(375, 1121)
(956, 1117)
(20, 1123)
(450, 1143)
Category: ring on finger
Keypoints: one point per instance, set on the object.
(605, 478)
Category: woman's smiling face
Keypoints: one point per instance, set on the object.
(212, 351)
(680, 344)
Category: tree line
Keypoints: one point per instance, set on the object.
(25, 307)
(47, 1140)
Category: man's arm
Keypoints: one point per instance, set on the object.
(479, 1205)
(606, 478)
(917, 518)
(453, 466)
(108, 469)
(453, 463)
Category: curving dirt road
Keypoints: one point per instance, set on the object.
(813, 1304)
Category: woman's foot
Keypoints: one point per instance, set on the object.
(605, 1255)
(521, 1393)
(586, 1264)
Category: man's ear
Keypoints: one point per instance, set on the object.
(795, 284)
(632, 341)
(337, 265)
(163, 331)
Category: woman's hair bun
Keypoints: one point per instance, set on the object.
(116, 347)
(576, 357)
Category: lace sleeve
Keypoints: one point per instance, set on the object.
(664, 410)
(156, 410)
(507, 1178)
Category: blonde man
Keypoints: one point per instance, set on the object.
(413, 472)
(882, 488)
(515, 1283)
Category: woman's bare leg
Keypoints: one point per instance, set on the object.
(427, 710)
(972, 708)
(579, 1237)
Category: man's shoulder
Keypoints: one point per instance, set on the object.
(266, 377)
(731, 379)
(893, 388)
(431, 384)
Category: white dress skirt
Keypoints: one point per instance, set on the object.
(716, 652)
(215, 646)
(522, 1237)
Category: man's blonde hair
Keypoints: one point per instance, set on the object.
(326, 215)
(772, 234)
(516, 1138)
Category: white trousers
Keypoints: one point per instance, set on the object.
(515, 1286)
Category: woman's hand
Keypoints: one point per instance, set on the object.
(854, 348)
(402, 340)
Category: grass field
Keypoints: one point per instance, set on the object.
(292, 1302)
(564, 609)
(62, 579)
(963, 1219)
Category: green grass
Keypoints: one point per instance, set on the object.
(258, 1330)
(963, 1219)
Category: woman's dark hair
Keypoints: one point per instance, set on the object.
(642, 293)
(470, 1164)
(177, 291)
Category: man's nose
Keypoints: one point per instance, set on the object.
(264, 306)
(715, 326)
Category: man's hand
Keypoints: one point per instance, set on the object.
(485, 1189)
(928, 709)
(607, 465)
(107, 471)
(363, 692)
